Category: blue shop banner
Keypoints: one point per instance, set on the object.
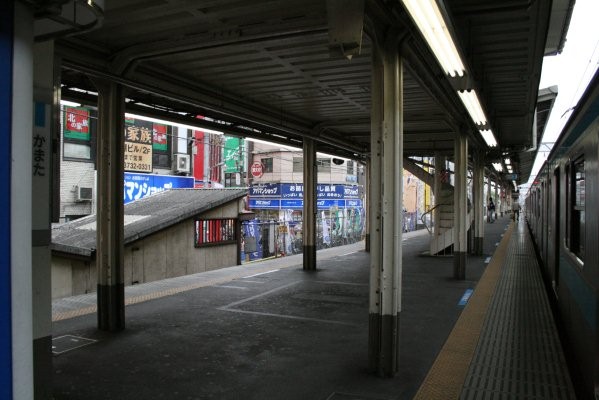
(292, 204)
(265, 203)
(351, 203)
(326, 204)
(138, 186)
(266, 190)
(330, 191)
(292, 190)
(351, 192)
(323, 191)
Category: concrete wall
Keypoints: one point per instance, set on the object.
(164, 254)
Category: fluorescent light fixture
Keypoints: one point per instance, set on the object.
(164, 122)
(69, 103)
(498, 167)
(489, 137)
(428, 18)
(470, 100)
(509, 169)
(507, 161)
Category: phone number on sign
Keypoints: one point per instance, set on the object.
(138, 166)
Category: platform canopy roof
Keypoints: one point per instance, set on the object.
(275, 70)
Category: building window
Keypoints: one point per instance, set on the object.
(324, 164)
(266, 164)
(210, 232)
(350, 168)
(77, 134)
(298, 164)
(575, 203)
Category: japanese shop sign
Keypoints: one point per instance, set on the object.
(138, 186)
(266, 190)
(138, 145)
(232, 155)
(159, 141)
(264, 203)
(76, 123)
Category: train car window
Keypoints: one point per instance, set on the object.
(575, 201)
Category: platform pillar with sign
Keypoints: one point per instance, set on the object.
(110, 208)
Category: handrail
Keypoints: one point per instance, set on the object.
(428, 212)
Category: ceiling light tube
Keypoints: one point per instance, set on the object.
(498, 167)
(428, 19)
(165, 122)
(470, 100)
(507, 161)
(69, 103)
(489, 137)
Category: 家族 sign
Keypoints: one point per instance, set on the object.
(138, 145)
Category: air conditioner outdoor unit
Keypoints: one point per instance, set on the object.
(84, 193)
(181, 163)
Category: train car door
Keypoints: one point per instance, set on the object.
(553, 233)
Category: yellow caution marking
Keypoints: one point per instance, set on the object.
(446, 377)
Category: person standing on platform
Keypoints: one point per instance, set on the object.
(516, 210)
(491, 211)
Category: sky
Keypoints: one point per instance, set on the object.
(571, 71)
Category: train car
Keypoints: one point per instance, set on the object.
(562, 215)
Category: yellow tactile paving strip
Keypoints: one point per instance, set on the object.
(446, 377)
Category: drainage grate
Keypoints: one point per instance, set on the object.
(65, 343)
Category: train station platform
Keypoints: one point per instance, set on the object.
(268, 330)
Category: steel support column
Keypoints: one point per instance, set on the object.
(439, 171)
(367, 206)
(497, 199)
(478, 202)
(110, 210)
(309, 214)
(461, 222)
(386, 209)
(489, 191)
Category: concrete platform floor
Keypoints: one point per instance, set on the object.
(285, 334)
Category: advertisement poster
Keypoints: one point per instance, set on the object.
(159, 141)
(138, 145)
(76, 123)
(138, 186)
(232, 155)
